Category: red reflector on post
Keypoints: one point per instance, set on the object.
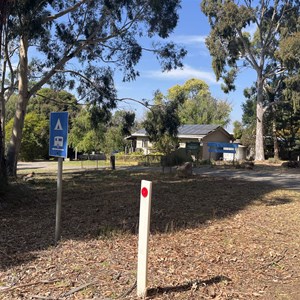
(144, 192)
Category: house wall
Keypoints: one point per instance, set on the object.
(183, 141)
(240, 154)
(143, 143)
(216, 136)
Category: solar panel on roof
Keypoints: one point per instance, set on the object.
(195, 129)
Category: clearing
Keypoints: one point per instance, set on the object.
(211, 238)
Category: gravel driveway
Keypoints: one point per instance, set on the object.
(282, 178)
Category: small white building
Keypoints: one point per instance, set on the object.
(201, 134)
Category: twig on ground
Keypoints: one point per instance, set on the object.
(79, 288)
(28, 284)
(43, 297)
(128, 291)
(276, 260)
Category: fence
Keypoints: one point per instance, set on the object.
(95, 160)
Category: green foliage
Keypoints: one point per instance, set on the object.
(162, 122)
(104, 137)
(288, 130)
(199, 106)
(48, 100)
(237, 129)
(249, 112)
(289, 54)
(83, 135)
(92, 33)
(76, 45)
(35, 137)
(120, 126)
(36, 133)
(10, 107)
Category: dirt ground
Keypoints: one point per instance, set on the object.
(211, 238)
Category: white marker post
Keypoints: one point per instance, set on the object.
(144, 226)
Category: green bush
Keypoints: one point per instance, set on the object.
(35, 137)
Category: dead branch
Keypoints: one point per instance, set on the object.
(276, 260)
(77, 289)
(28, 284)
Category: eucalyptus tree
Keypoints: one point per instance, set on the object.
(77, 45)
(200, 107)
(4, 91)
(118, 129)
(162, 121)
(83, 135)
(232, 47)
(289, 54)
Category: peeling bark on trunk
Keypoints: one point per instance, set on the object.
(15, 141)
(259, 139)
(3, 174)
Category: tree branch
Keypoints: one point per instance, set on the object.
(145, 104)
(64, 12)
(54, 100)
(251, 56)
(82, 44)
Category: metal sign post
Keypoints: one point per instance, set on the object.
(58, 199)
(144, 226)
(58, 147)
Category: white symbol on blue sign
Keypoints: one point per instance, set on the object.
(58, 141)
(58, 125)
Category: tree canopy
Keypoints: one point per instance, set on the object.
(105, 137)
(199, 106)
(78, 45)
(162, 121)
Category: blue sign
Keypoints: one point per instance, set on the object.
(219, 147)
(58, 144)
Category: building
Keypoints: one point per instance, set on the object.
(193, 138)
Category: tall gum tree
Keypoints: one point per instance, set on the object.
(233, 48)
(5, 90)
(78, 43)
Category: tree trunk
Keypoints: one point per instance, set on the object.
(3, 174)
(275, 141)
(259, 139)
(16, 137)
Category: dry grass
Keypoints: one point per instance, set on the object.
(211, 238)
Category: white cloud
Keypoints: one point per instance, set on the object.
(183, 74)
(190, 39)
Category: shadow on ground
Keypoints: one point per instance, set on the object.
(195, 284)
(99, 204)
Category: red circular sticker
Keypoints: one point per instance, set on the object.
(144, 192)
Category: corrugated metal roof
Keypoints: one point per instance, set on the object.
(195, 129)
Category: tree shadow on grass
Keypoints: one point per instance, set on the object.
(98, 204)
(195, 284)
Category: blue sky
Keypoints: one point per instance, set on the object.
(190, 32)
